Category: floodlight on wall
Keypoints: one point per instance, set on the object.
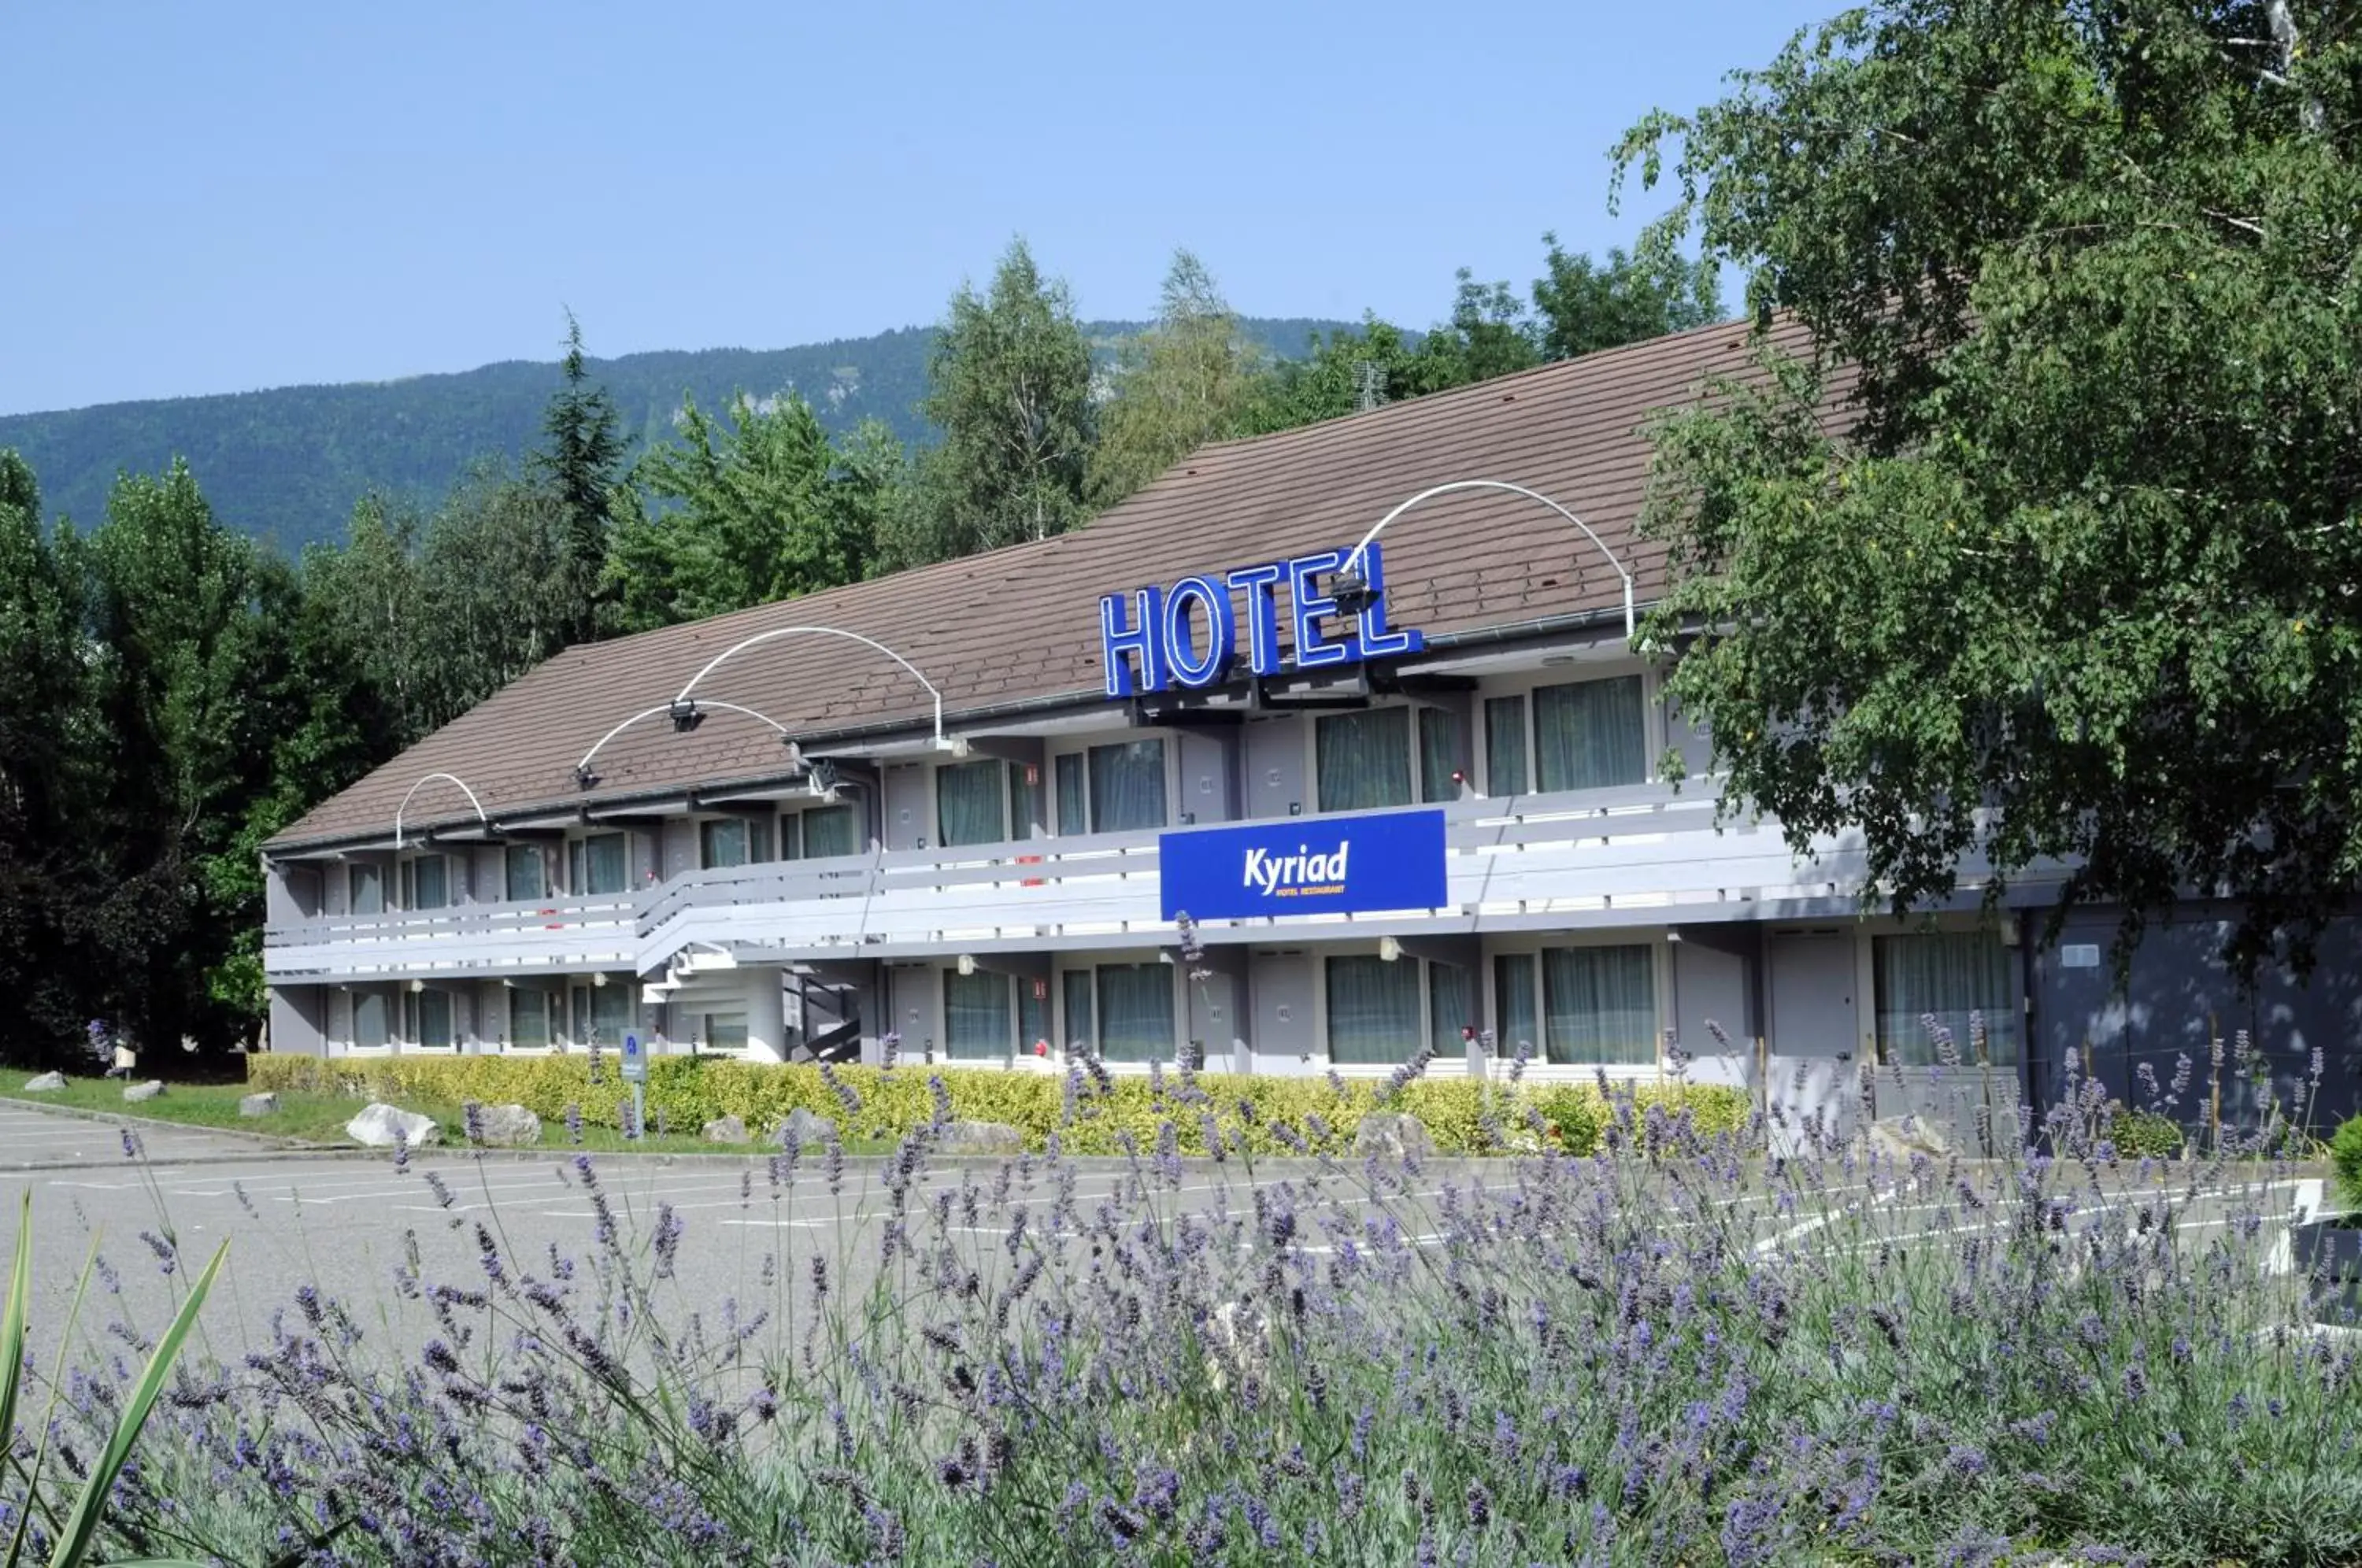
(599, 978)
(1350, 586)
(1389, 949)
(966, 964)
(954, 744)
(417, 987)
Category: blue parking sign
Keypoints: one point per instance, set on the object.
(635, 1064)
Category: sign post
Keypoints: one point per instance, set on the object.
(636, 1073)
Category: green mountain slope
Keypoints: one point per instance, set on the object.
(286, 465)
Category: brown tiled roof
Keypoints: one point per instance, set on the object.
(1022, 623)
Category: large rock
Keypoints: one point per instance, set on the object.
(378, 1125)
(1901, 1137)
(507, 1126)
(806, 1129)
(979, 1138)
(48, 1083)
(726, 1130)
(149, 1090)
(257, 1105)
(1393, 1135)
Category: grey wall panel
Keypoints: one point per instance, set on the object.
(1710, 983)
(914, 995)
(1280, 987)
(680, 847)
(1208, 774)
(1274, 766)
(299, 1019)
(908, 816)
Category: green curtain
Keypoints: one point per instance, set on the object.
(526, 875)
(1505, 746)
(372, 1023)
(1075, 989)
(831, 830)
(1590, 734)
(430, 883)
(1128, 787)
(1949, 974)
(1363, 760)
(1438, 754)
(1451, 1007)
(365, 887)
(976, 1015)
(723, 843)
(1136, 1012)
(611, 1011)
(725, 1032)
(435, 1018)
(969, 807)
(1373, 1009)
(1600, 1005)
(606, 864)
(1513, 988)
(1072, 820)
(529, 1017)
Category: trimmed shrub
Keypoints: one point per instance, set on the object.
(2139, 1134)
(2345, 1155)
(1269, 1115)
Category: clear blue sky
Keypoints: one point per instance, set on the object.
(204, 198)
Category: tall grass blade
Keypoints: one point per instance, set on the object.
(82, 1527)
(12, 1325)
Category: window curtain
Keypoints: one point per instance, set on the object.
(372, 1026)
(976, 1014)
(1505, 746)
(1438, 754)
(1025, 801)
(435, 1018)
(1136, 1012)
(366, 885)
(611, 1011)
(1450, 1008)
(1601, 1005)
(1128, 787)
(792, 837)
(1513, 990)
(723, 843)
(1590, 734)
(1373, 1009)
(529, 1017)
(1949, 974)
(725, 1032)
(605, 864)
(831, 830)
(1072, 819)
(969, 803)
(1076, 989)
(1363, 759)
(528, 878)
(430, 883)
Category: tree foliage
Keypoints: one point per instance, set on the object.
(1180, 384)
(2077, 579)
(579, 466)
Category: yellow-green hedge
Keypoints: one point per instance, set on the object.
(691, 1090)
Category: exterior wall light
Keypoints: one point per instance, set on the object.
(966, 964)
(1389, 949)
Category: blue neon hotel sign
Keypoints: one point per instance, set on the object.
(1189, 634)
(1391, 860)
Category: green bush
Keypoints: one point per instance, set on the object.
(2145, 1134)
(2345, 1155)
(1463, 1115)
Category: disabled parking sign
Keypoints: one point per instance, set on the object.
(636, 1061)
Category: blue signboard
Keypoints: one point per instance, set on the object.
(1305, 866)
(1192, 633)
(635, 1064)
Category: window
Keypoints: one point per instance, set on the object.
(1440, 754)
(1451, 1007)
(372, 1025)
(430, 1019)
(1069, 783)
(1135, 1012)
(733, 840)
(599, 863)
(1946, 976)
(428, 883)
(1589, 736)
(1599, 1005)
(1127, 786)
(1505, 746)
(366, 887)
(1033, 1013)
(724, 1031)
(792, 837)
(1513, 991)
(529, 1018)
(527, 873)
(602, 1014)
(1025, 801)
(976, 1015)
(1363, 760)
(969, 806)
(831, 830)
(1373, 1009)
(1076, 987)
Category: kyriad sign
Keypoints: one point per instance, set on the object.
(1391, 860)
(1189, 634)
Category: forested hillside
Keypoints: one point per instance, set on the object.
(285, 465)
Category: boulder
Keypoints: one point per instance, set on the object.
(806, 1129)
(257, 1105)
(1393, 1135)
(979, 1138)
(149, 1090)
(726, 1130)
(377, 1124)
(507, 1126)
(48, 1083)
(1900, 1137)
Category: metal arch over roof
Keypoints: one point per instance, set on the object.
(1017, 630)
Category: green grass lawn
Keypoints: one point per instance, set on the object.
(321, 1118)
